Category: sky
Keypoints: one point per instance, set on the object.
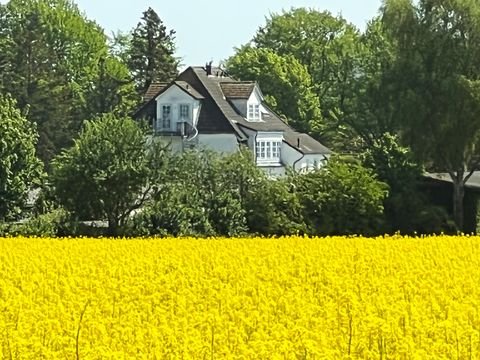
(211, 29)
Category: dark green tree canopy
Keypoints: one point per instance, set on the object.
(437, 72)
(57, 62)
(150, 55)
(328, 48)
(108, 172)
(19, 167)
(284, 81)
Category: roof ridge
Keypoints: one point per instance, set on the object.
(216, 101)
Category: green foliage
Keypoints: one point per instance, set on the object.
(207, 194)
(55, 62)
(150, 54)
(328, 47)
(19, 167)
(406, 208)
(341, 198)
(436, 73)
(108, 172)
(284, 81)
(196, 198)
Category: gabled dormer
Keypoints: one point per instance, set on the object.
(178, 107)
(246, 97)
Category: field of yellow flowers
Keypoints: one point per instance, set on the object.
(287, 298)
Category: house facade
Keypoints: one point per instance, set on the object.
(204, 108)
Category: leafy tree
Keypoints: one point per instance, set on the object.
(19, 167)
(196, 198)
(284, 81)
(109, 171)
(437, 103)
(341, 198)
(406, 208)
(271, 206)
(208, 194)
(328, 47)
(52, 61)
(151, 52)
(368, 113)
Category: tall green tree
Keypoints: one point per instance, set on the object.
(109, 172)
(151, 52)
(437, 105)
(328, 48)
(285, 82)
(19, 166)
(51, 61)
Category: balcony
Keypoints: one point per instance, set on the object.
(183, 129)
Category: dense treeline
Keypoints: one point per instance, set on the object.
(394, 100)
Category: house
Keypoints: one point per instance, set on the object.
(205, 108)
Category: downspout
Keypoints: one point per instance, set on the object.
(301, 158)
(255, 148)
(195, 126)
(296, 162)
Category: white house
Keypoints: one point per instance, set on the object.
(205, 108)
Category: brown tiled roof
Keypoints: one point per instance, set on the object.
(237, 89)
(153, 90)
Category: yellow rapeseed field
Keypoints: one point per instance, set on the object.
(287, 298)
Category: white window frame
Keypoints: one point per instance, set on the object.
(182, 114)
(268, 151)
(166, 122)
(253, 112)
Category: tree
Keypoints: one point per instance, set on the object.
(406, 208)
(437, 103)
(284, 81)
(196, 198)
(151, 52)
(328, 47)
(19, 166)
(53, 60)
(341, 198)
(109, 171)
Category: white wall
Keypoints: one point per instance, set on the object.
(174, 96)
(222, 143)
(310, 162)
(290, 155)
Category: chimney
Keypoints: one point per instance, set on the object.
(208, 68)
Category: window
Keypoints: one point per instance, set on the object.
(184, 112)
(166, 116)
(253, 112)
(268, 151)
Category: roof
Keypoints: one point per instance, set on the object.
(472, 183)
(189, 90)
(237, 89)
(153, 90)
(219, 115)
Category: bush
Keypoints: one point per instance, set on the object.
(341, 198)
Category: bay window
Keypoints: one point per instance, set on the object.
(268, 151)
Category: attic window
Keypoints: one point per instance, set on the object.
(253, 112)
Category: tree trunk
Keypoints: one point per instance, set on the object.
(458, 195)
(112, 227)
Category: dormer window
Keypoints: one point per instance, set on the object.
(184, 112)
(253, 112)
